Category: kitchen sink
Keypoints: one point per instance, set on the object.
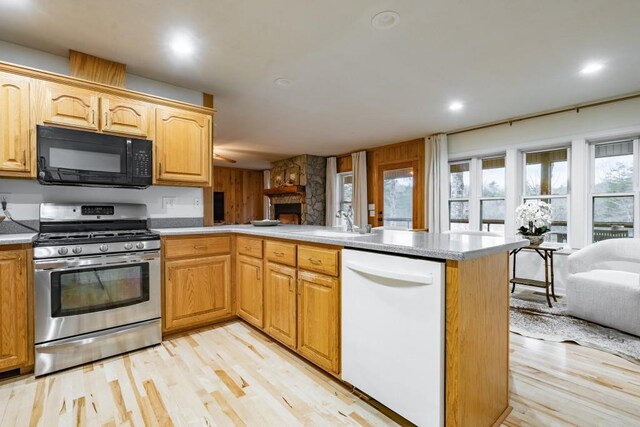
(330, 233)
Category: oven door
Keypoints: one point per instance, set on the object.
(79, 295)
(72, 157)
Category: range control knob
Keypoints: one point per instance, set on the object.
(104, 248)
(128, 246)
(140, 245)
(63, 251)
(77, 250)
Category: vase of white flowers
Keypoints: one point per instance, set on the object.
(535, 219)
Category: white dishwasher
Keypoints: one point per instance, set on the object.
(393, 332)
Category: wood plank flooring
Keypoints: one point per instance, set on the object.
(232, 375)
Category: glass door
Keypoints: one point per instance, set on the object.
(89, 290)
(397, 196)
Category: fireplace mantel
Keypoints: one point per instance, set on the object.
(288, 190)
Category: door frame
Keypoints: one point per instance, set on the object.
(418, 191)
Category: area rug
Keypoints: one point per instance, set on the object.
(530, 316)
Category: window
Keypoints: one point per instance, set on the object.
(397, 185)
(459, 195)
(613, 196)
(492, 200)
(345, 190)
(546, 179)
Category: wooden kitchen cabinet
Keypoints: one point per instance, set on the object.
(123, 116)
(183, 147)
(319, 319)
(280, 303)
(250, 290)
(196, 291)
(15, 135)
(68, 106)
(16, 340)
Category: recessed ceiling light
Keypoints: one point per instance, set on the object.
(592, 68)
(283, 82)
(182, 45)
(456, 106)
(385, 20)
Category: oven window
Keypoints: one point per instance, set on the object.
(97, 289)
(66, 158)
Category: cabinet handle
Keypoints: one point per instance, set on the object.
(93, 117)
(200, 247)
(106, 118)
(299, 292)
(24, 157)
(290, 285)
(315, 261)
(247, 248)
(160, 167)
(279, 254)
(20, 265)
(258, 274)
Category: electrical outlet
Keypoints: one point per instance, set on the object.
(168, 202)
(197, 201)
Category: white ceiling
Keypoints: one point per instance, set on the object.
(354, 86)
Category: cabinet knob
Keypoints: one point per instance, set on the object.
(315, 261)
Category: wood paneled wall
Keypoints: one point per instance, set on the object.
(243, 198)
(404, 154)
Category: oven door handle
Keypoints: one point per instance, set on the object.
(58, 265)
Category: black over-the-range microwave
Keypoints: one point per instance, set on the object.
(73, 157)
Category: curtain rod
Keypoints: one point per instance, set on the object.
(548, 113)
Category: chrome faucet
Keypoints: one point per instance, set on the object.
(348, 216)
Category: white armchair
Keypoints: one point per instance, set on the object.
(604, 284)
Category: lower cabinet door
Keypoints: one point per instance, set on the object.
(249, 289)
(280, 306)
(14, 300)
(197, 291)
(319, 319)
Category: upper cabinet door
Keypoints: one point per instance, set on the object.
(124, 116)
(69, 106)
(183, 147)
(15, 151)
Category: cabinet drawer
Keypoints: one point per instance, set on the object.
(249, 246)
(280, 252)
(191, 246)
(321, 260)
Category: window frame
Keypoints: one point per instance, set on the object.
(340, 194)
(635, 191)
(460, 199)
(524, 197)
(482, 198)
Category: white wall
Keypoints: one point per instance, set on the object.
(24, 197)
(562, 127)
(16, 54)
(566, 129)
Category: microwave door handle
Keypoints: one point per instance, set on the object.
(129, 159)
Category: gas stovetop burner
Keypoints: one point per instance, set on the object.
(74, 230)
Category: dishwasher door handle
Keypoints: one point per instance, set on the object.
(422, 279)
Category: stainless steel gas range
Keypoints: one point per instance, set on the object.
(97, 283)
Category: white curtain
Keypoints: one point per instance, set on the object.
(437, 182)
(331, 196)
(267, 201)
(359, 196)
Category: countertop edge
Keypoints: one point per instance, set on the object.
(347, 243)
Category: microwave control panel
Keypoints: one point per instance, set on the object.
(142, 163)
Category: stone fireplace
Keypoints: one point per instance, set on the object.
(305, 197)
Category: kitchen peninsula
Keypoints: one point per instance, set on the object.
(475, 312)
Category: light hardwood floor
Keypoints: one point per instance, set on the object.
(233, 375)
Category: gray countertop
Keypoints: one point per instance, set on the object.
(428, 245)
(16, 239)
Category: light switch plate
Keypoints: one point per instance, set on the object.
(168, 202)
